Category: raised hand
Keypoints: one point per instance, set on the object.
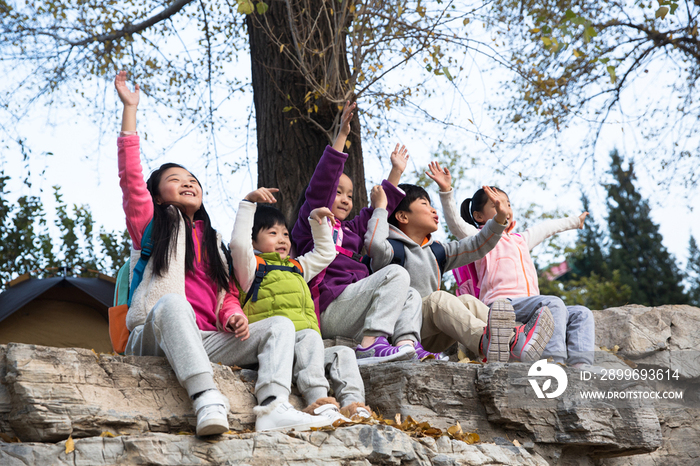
(581, 219)
(441, 176)
(378, 197)
(500, 203)
(128, 98)
(320, 213)
(345, 118)
(238, 324)
(399, 158)
(263, 195)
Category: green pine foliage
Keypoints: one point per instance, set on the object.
(636, 250)
(693, 273)
(28, 246)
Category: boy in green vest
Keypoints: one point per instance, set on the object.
(272, 284)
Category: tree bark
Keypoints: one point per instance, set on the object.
(289, 146)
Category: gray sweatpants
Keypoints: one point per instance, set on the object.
(381, 305)
(342, 370)
(309, 374)
(170, 330)
(573, 340)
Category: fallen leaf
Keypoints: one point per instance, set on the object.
(107, 434)
(6, 438)
(516, 443)
(70, 445)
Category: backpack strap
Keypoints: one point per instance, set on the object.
(399, 258)
(440, 255)
(227, 255)
(146, 250)
(262, 270)
(399, 252)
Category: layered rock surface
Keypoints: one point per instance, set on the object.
(49, 394)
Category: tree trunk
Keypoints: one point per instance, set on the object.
(289, 146)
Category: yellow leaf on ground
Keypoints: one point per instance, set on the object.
(516, 443)
(70, 445)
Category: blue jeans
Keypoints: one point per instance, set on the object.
(573, 340)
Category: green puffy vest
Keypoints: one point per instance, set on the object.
(282, 293)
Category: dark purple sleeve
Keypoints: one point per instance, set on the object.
(358, 224)
(320, 193)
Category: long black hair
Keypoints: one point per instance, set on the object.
(166, 225)
(475, 203)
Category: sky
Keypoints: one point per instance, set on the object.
(82, 159)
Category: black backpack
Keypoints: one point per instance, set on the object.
(400, 253)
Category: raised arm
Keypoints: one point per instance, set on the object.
(129, 99)
(323, 253)
(242, 254)
(344, 132)
(399, 160)
(376, 239)
(136, 200)
(473, 248)
(455, 223)
(538, 233)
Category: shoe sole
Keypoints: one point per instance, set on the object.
(398, 356)
(211, 428)
(501, 324)
(543, 330)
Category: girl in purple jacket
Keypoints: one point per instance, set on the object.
(381, 310)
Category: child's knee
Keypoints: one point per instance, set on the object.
(344, 355)
(279, 327)
(582, 314)
(397, 275)
(172, 306)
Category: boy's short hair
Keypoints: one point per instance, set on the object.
(267, 217)
(413, 193)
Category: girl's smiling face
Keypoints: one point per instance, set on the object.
(342, 205)
(180, 188)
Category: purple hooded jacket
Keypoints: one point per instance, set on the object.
(321, 192)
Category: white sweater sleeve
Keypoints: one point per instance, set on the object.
(455, 222)
(242, 253)
(544, 230)
(323, 252)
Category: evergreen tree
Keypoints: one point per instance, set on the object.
(636, 249)
(588, 256)
(26, 244)
(693, 271)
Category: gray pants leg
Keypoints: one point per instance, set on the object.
(379, 305)
(573, 339)
(342, 370)
(309, 375)
(170, 330)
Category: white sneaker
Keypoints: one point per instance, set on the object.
(331, 412)
(280, 415)
(363, 413)
(211, 408)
